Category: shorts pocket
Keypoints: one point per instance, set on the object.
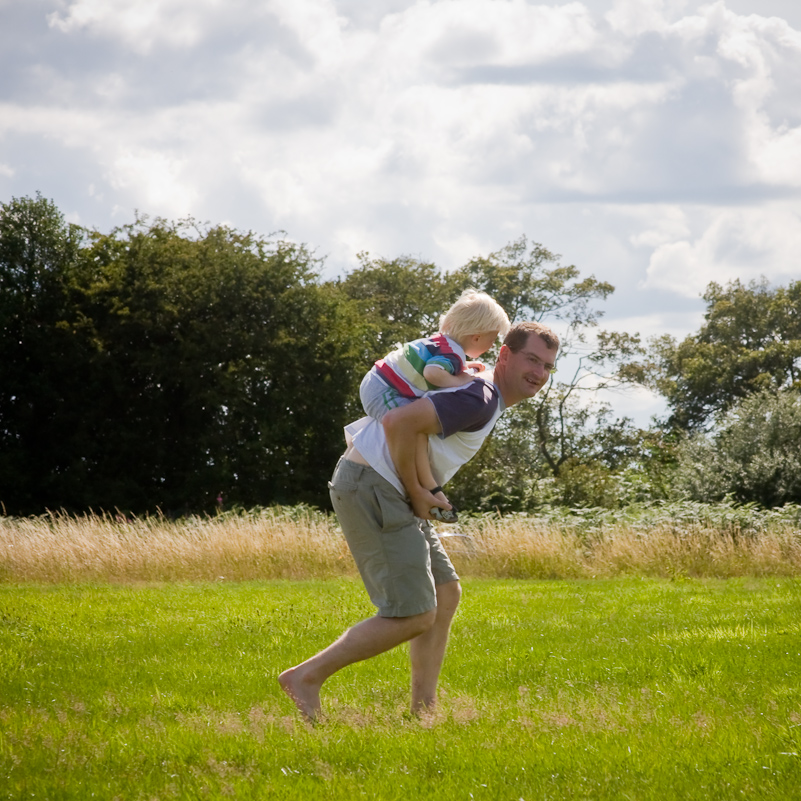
(395, 511)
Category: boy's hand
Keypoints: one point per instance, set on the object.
(478, 367)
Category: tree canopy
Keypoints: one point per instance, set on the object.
(41, 359)
(163, 365)
(750, 341)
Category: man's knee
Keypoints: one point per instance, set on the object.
(448, 596)
(420, 624)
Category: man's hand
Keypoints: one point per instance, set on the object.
(423, 501)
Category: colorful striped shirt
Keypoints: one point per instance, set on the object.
(403, 368)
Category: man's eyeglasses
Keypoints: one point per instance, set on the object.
(534, 359)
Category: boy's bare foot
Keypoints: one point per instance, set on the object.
(304, 693)
(446, 515)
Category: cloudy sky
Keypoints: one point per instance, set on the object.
(653, 143)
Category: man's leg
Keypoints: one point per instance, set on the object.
(427, 650)
(393, 554)
(369, 638)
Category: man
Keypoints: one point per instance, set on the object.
(383, 511)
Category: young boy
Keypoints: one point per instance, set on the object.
(469, 328)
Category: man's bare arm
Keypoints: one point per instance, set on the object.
(402, 426)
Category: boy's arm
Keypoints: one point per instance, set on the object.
(440, 377)
(402, 427)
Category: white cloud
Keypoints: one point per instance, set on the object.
(666, 321)
(67, 126)
(161, 181)
(636, 403)
(445, 129)
(633, 17)
(140, 24)
(666, 225)
(465, 33)
(465, 95)
(738, 244)
(777, 154)
(316, 23)
(773, 129)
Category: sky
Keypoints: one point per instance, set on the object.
(654, 144)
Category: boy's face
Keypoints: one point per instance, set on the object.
(480, 343)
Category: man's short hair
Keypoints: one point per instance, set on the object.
(519, 333)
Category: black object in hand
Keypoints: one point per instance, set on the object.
(445, 515)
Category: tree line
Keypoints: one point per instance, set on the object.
(179, 367)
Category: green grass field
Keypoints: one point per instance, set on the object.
(607, 689)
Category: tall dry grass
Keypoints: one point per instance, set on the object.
(302, 543)
(279, 544)
(530, 548)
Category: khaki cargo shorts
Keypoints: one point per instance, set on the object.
(400, 558)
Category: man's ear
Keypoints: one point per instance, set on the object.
(503, 354)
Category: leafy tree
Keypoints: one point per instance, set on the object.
(41, 359)
(750, 341)
(402, 300)
(530, 283)
(399, 300)
(217, 348)
(162, 364)
(753, 456)
(559, 431)
(604, 455)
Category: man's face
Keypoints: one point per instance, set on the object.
(528, 370)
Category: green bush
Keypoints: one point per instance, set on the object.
(753, 455)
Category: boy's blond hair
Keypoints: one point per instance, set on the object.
(473, 313)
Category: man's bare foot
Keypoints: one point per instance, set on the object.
(305, 694)
(423, 708)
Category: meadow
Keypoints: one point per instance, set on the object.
(141, 664)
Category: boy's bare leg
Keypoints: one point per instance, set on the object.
(369, 638)
(427, 650)
(424, 474)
